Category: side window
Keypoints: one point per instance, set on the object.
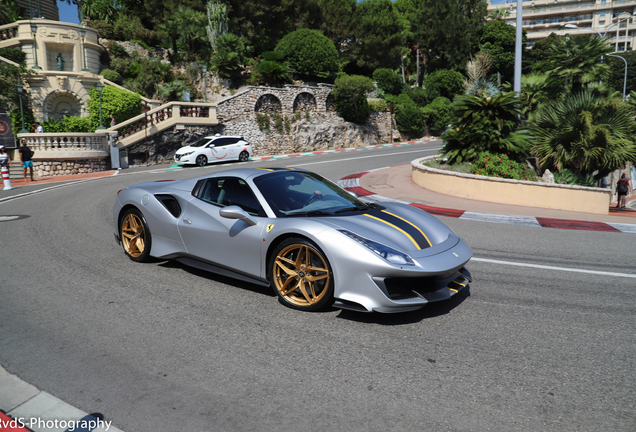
(226, 191)
(220, 142)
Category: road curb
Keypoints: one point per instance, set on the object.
(352, 183)
(23, 407)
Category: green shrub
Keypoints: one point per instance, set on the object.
(499, 165)
(420, 96)
(569, 177)
(116, 50)
(126, 27)
(350, 97)
(443, 82)
(123, 104)
(378, 105)
(106, 30)
(111, 75)
(278, 123)
(408, 116)
(388, 81)
(310, 53)
(438, 115)
(263, 121)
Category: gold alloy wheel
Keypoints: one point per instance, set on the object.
(301, 275)
(133, 235)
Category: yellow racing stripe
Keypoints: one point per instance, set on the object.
(399, 229)
(414, 226)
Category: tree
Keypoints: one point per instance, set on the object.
(271, 70)
(585, 134)
(498, 14)
(350, 95)
(443, 82)
(446, 30)
(379, 35)
(9, 12)
(498, 40)
(408, 116)
(575, 59)
(172, 91)
(438, 115)
(228, 59)
(309, 53)
(388, 81)
(337, 22)
(617, 72)
(485, 124)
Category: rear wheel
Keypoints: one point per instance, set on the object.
(244, 156)
(135, 236)
(300, 275)
(202, 160)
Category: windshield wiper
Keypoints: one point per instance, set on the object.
(311, 213)
(346, 209)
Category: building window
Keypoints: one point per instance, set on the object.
(602, 14)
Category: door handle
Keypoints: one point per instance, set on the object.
(187, 221)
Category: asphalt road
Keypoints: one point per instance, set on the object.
(162, 347)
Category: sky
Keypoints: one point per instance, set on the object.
(68, 13)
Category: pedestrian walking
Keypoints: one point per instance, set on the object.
(25, 156)
(622, 189)
(38, 127)
(5, 160)
(113, 122)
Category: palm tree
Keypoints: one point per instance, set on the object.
(486, 124)
(498, 14)
(172, 91)
(229, 57)
(585, 134)
(576, 59)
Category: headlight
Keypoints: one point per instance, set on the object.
(186, 154)
(389, 254)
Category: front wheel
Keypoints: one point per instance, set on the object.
(300, 275)
(202, 160)
(244, 156)
(135, 236)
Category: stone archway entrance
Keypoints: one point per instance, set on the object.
(62, 104)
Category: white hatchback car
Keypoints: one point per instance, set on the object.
(213, 149)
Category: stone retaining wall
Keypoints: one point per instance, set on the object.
(55, 168)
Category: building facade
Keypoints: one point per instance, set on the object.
(609, 18)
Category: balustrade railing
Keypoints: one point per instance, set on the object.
(8, 31)
(51, 143)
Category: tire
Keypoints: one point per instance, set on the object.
(244, 156)
(202, 160)
(300, 275)
(135, 236)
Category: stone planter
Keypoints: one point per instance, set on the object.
(514, 192)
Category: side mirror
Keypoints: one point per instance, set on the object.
(235, 212)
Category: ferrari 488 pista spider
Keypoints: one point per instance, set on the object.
(316, 244)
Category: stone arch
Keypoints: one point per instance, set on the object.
(330, 103)
(305, 102)
(59, 104)
(268, 103)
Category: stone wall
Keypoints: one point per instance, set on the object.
(56, 168)
(312, 131)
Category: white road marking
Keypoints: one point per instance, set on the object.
(574, 270)
(497, 218)
(8, 218)
(360, 157)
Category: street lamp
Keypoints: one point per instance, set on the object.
(574, 26)
(19, 87)
(100, 87)
(205, 83)
(34, 29)
(624, 79)
(83, 35)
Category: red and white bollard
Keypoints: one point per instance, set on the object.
(6, 179)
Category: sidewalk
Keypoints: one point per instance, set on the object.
(395, 183)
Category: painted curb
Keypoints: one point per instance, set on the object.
(352, 183)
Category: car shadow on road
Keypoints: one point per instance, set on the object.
(227, 280)
(431, 310)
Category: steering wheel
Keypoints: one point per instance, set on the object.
(314, 196)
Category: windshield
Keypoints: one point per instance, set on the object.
(201, 142)
(305, 194)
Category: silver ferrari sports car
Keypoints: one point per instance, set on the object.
(314, 243)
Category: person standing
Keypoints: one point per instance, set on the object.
(5, 160)
(38, 127)
(113, 122)
(25, 156)
(622, 189)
